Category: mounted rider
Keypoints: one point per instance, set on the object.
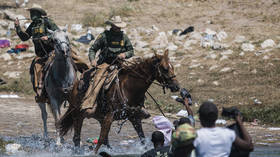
(38, 31)
(112, 44)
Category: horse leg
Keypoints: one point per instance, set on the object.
(105, 128)
(56, 112)
(137, 124)
(44, 118)
(78, 123)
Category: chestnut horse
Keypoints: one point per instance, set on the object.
(134, 81)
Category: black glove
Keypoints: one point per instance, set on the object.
(185, 94)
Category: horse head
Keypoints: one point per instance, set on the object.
(61, 42)
(165, 74)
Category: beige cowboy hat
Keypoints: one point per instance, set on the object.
(117, 21)
(36, 7)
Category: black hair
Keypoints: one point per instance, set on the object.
(208, 114)
(157, 137)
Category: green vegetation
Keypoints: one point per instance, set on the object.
(94, 20)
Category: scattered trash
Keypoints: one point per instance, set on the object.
(4, 43)
(93, 140)
(274, 129)
(174, 97)
(221, 122)
(187, 30)
(257, 102)
(2, 82)
(9, 96)
(19, 48)
(211, 100)
(216, 83)
(222, 35)
(76, 27)
(226, 69)
(86, 39)
(176, 31)
(12, 148)
(12, 74)
(268, 43)
(182, 113)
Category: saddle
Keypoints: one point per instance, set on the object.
(93, 81)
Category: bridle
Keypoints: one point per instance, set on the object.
(164, 78)
(57, 46)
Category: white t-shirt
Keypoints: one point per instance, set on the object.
(214, 142)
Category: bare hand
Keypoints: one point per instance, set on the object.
(16, 22)
(44, 38)
(122, 56)
(93, 63)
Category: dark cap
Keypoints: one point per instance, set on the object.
(157, 136)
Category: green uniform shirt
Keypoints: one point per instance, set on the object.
(36, 30)
(111, 44)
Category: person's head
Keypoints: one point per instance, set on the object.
(208, 114)
(116, 23)
(36, 13)
(157, 139)
(181, 121)
(182, 140)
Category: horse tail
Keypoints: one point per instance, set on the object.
(66, 122)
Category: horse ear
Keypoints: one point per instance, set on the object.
(65, 28)
(165, 55)
(50, 31)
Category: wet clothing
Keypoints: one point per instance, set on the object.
(111, 44)
(36, 30)
(159, 152)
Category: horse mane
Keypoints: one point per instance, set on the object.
(139, 63)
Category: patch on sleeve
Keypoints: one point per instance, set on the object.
(99, 36)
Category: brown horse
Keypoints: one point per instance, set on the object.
(134, 82)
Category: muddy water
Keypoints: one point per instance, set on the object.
(20, 122)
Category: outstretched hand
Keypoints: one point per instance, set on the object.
(121, 56)
(16, 22)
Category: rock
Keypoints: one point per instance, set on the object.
(224, 57)
(194, 65)
(212, 56)
(195, 35)
(13, 74)
(213, 67)
(247, 47)
(222, 35)
(268, 43)
(254, 71)
(6, 56)
(200, 81)
(160, 41)
(172, 47)
(140, 45)
(2, 15)
(25, 55)
(210, 32)
(227, 52)
(265, 57)
(77, 27)
(4, 23)
(241, 53)
(155, 28)
(216, 83)
(188, 43)
(226, 69)
(97, 30)
(2, 32)
(177, 65)
(11, 16)
(12, 148)
(239, 39)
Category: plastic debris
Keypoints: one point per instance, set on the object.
(274, 129)
(77, 27)
(182, 113)
(268, 43)
(9, 96)
(165, 126)
(93, 140)
(4, 43)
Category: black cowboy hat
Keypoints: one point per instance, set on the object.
(43, 12)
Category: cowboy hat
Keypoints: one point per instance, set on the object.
(116, 21)
(36, 7)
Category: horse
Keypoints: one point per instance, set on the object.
(59, 79)
(132, 83)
